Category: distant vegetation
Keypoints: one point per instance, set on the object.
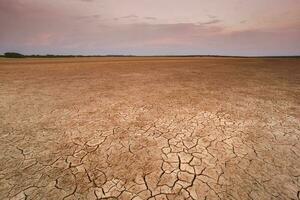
(13, 55)
(18, 55)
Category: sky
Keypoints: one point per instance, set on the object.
(151, 27)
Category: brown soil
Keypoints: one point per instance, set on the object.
(150, 128)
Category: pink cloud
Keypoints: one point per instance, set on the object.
(32, 26)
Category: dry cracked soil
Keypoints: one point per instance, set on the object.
(150, 128)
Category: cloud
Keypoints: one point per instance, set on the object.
(147, 38)
(88, 17)
(214, 21)
(150, 18)
(32, 26)
(16, 7)
(212, 16)
(129, 17)
(87, 0)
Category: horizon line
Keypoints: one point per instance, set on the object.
(162, 55)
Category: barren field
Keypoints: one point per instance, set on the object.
(150, 128)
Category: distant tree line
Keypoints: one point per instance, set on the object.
(13, 55)
(18, 55)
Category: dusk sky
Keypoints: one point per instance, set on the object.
(150, 27)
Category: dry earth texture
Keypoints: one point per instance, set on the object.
(150, 128)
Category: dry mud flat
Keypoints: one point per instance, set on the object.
(150, 128)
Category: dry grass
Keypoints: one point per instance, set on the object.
(149, 128)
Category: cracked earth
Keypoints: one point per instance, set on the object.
(150, 128)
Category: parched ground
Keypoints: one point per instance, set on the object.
(150, 128)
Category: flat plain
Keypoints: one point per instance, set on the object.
(150, 128)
